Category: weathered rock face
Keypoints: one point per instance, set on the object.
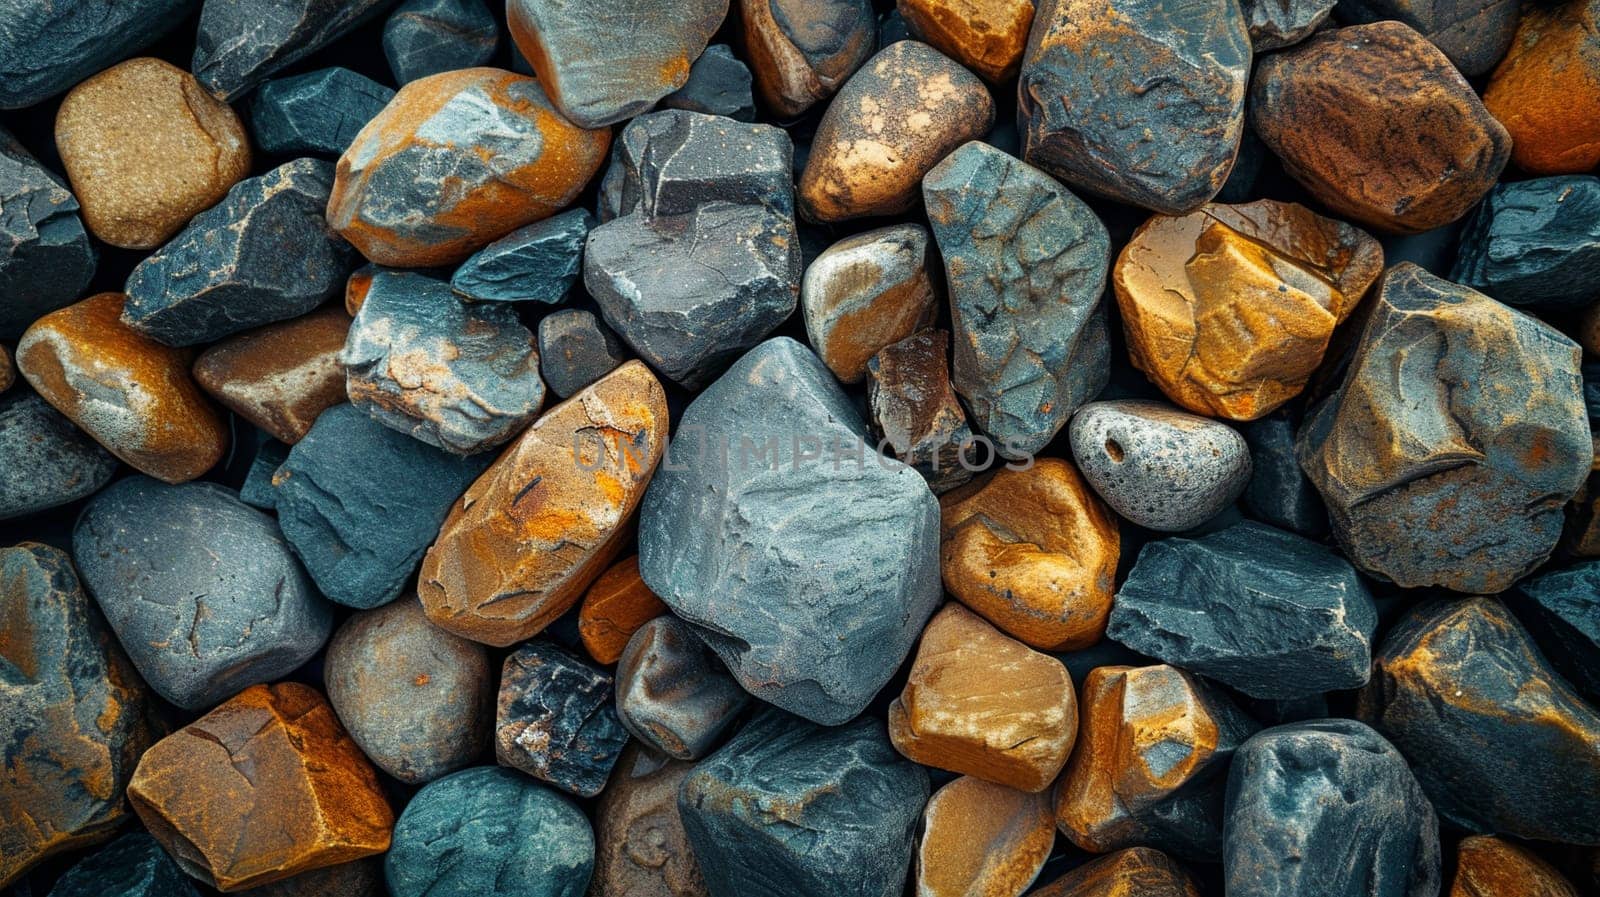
(613, 610)
(1275, 24)
(274, 763)
(426, 37)
(914, 409)
(673, 693)
(1489, 867)
(134, 865)
(1327, 808)
(801, 51)
(1535, 243)
(1349, 95)
(719, 84)
(866, 292)
(1136, 101)
(1562, 610)
(76, 713)
(987, 36)
(1456, 475)
(556, 719)
(670, 163)
(1499, 741)
(48, 47)
(1544, 89)
(237, 47)
(606, 61)
(1137, 870)
(537, 263)
(417, 188)
(318, 112)
(46, 259)
(641, 847)
(575, 350)
(282, 376)
(1474, 34)
(48, 461)
(199, 588)
(845, 785)
(980, 838)
(1026, 263)
(525, 541)
(1229, 309)
(836, 565)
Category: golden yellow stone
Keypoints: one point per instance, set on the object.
(1487, 866)
(980, 839)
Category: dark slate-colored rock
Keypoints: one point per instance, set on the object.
(1473, 33)
(318, 112)
(1327, 809)
(1279, 492)
(672, 691)
(134, 865)
(46, 259)
(359, 503)
(48, 46)
(1562, 610)
(1535, 244)
(359, 878)
(263, 254)
(1267, 612)
(425, 37)
(1499, 741)
(47, 461)
(486, 832)
(199, 587)
(810, 579)
(238, 46)
(460, 376)
(788, 807)
(557, 719)
(575, 350)
(537, 263)
(671, 162)
(1275, 24)
(257, 490)
(1026, 262)
(719, 84)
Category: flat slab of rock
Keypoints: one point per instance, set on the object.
(1544, 88)
(282, 376)
(48, 47)
(318, 112)
(134, 865)
(673, 693)
(48, 461)
(801, 51)
(537, 263)
(237, 47)
(1535, 243)
(575, 350)
(867, 292)
(556, 719)
(46, 259)
(426, 37)
(641, 847)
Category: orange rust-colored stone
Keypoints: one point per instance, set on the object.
(281, 376)
(1034, 552)
(985, 705)
(525, 541)
(266, 786)
(789, 76)
(1135, 872)
(1229, 309)
(356, 288)
(132, 394)
(980, 839)
(613, 610)
(1547, 89)
(1487, 866)
(987, 36)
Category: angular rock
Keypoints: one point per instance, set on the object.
(613, 610)
(531, 534)
(48, 47)
(1535, 243)
(1159, 467)
(537, 263)
(1455, 475)
(199, 588)
(1275, 24)
(801, 51)
(1026, 262)
(1266, 612)
(237, 47)
(489, 831)
(456, 161)
(1543, 90)
(134, 865)
(1562, 610)
(75, 711)
(844, 786)
(132, 394)
(48, 462)
(673, 162)
(257, 490)
(426, 37)
(719, 84)
(557, 720)
(1327, 808)
(673, 693)
(1279, 493)
(459, 376)
(809, 579)
(360, 878)
(1347, 96)
(641, 847)
(978, 838)
(418, 700)
(987, 36)
(866, 292)
(264, 787)
(1474, 34)
(915, 411)
(46, 259)
(1487, 866)
(281, 376)
(318, 112)
(1137, 870)
(359, 503)
(604, 61)
(1498, 740)
(575, 350)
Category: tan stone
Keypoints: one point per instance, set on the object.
(980, 839)
(987, 36)
(281, 376)
(641, 849)
(1487, 866)
(614, 608)
(866, 292)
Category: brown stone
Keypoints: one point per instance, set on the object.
(640, 846)
(527, 539)
(980, 839)
(915, 411)
(281, 376)
(264, 787)
(8, 374)
(1487, 866)
(146, 147)
(1136, 872)
(987, 36)
(614, 608)
(1378, 124)
(905, 110)
(132, 394)
(802, 50)
(1547, 89)
(982, 704)
(866, 292)
(362, 878)
(1229, 309)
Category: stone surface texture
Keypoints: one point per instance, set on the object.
(282, 376)
(979, 839)
(640, 845)
(537, 263)
(1279, 492)
(46, 258)
(318, 112)
(987, 36)
(237, 47)
(614, 608)
(719, 84)
(48, 461)
(1561, 608)
(1473, 34)
(1487, 866)
(866, 292)
(1275, 24)
(133, 865)
(1140, 871)
(914, 409)
(673, 693)
(48, 47)
(575, 350)
(426, 37)
(1544, 88)
(801, 51)
(556, 719)
(1535, 243)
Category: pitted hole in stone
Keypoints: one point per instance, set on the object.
(1114, 450)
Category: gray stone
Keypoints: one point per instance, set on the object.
(318, 112)
(425, 37)
(556, 718)
(1275, 24)
(134, 865)
(257, 490)
(575, 350)
(670, 163)
(199, 587)
(672, 692)
(1161, 468)
(263, 254)
(47, 46)
(810, 579)
(239, 45)
(1535, 243)
(1562, 610)
(360, 878)
(1279, 492)
(46, 258)
(719, 84)
(48, 462)
(1026, 263)
(537, 263)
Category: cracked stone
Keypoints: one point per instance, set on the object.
(1275, 24)
(1535, 243)
(987, 36)
(134, 865)
(426, 37)
(1487, 866)
(281, 376)
(613, 610)
(673, 162)
(673, 693)
(318, 112)
(915, 411)
(46, 259)
(48, 47)
(557, 719)
(641, 847)
(1137, 870)
(979, 838)
(719, 84)
(575, 350)
(1546, 86)
(537, 263)
(1473, 34)
(238, 46)
(48, 461)
(801, 51)
(867, 292)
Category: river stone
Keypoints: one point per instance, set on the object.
(537, 263)
(1535, 243)
(1026, 263)
(46, 258)
(978, 838)
(867, 292)
(359, 503)
(673, 693)
(487, 832)
(426, 37)
(134, 865)
(641, 848)
(914, 409)
(1487, 866)
(1279, 493)
(48, 462)
(48, 46)
(616, 606)
(1275, 24)
(199, 587)
(1562, 610)
(557, 719)
(318, 112)
(1474, 34)
(801, 51)
(280, 377)
(810, 579)
(238, 46)
(1264, 611)
(1327, 809)
(575, 350)
(719, 84)
(856, 799)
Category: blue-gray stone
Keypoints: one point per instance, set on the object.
(47, 46)
(806, 561)
(489, 832)
(318, 112)
(263, 254)
(537, 263)
(1562, 611)
(1264, 611)
(1327, 808)
(239, 45)
(1026, 263)
(1535, 243)
(199, 587)
(1278, 492)
(788, 808)
(426, 37)
(671, 162)
(673, 693)
(46, 258)
(575, 350)
(47, 461)
(719, 84)
(359, 503)
(1275, 24)
(257, 490)
(134, 865)
(556, 718)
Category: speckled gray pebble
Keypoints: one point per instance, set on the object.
(537, 263)
(318, 112)
(47, 461)
(719, 84)
(575, 350)
(425, 37)
(672, 691)
(46, 258)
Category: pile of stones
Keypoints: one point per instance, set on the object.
(839, 448)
